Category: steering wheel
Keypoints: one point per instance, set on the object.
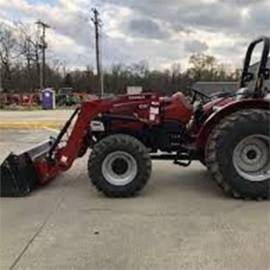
(196, 92)
(205, 98)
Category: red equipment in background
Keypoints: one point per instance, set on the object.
(23, 100)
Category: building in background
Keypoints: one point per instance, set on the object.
(253, 69)
(213, 88)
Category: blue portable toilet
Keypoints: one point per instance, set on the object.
(48, 99)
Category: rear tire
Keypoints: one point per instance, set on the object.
(119, 166)
(238, 152)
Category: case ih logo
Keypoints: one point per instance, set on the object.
(143, 106)
(136, 97)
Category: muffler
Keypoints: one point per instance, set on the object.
(18, 173)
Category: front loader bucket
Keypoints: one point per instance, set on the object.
(18, 173)
(18, 176)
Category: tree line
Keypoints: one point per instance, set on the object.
(20, 64)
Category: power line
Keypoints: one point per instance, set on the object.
(97, 23)
(43, 45)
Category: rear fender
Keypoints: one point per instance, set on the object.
(216, 117)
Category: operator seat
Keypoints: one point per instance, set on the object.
(182, 99)
(177, 107)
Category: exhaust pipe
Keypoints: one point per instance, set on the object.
(18, 173)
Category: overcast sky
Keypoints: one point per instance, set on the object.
(158, 31)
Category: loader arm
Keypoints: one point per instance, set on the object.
(21, 173)
(61, 159)
(88, 111)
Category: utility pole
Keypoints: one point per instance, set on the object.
(43, 45)
(97, 23)
(1, 88)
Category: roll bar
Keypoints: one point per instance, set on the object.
(262, 67)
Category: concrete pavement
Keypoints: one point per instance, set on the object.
(180, 221)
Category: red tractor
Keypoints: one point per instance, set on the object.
(228, 133)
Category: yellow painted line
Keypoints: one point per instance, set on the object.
(31, 124)
(52, 129)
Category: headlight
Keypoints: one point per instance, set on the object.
(97, 126)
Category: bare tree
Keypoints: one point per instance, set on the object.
(8, 43)
(30, 49)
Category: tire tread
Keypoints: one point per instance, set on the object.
(95, 160)
(213, 145)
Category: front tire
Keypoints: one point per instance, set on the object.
(238, 154)
(119, 166)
